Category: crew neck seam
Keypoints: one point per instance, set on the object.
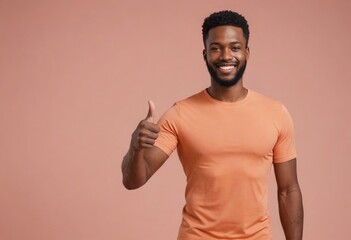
(241, 102)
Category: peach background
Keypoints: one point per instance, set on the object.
(75, 77)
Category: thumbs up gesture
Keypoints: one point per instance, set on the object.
(151, 114)
(146, 132)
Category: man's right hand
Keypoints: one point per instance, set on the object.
(146, 132)
(139, 165)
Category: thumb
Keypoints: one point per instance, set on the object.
(151, 114)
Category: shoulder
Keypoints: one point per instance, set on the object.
(267, 103)
(197, 98)
(182, 105)
(276, 110)
(264, 99)
(189, 104)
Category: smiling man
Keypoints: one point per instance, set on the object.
(227, 138)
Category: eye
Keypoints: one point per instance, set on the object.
(235, 48)
(215, 49)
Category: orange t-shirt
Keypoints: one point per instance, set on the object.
(226, 150)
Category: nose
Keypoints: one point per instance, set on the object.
(226, 54)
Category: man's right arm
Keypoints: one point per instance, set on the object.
(143, 159)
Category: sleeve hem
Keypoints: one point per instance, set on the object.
(164, 148)
(285, 158)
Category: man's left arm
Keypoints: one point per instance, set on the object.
(289, 199)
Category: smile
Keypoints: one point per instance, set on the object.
(226, 68)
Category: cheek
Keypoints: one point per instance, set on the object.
(213, 57)
(241, 56)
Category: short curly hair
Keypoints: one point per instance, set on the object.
(225, 17)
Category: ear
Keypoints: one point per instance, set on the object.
(247, 53)
(204, 54)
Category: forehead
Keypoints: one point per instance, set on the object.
(225, 34)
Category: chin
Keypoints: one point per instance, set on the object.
(226, 79)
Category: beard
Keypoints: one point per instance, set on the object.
(226, 83)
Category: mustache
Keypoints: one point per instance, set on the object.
(226, 62)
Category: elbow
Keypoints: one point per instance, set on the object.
(289, 190)
(131, 186)
(133, 179)
(292, 194)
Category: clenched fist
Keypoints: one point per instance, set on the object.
(146, 132)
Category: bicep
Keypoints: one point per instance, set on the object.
(154, 158)
(286, 174)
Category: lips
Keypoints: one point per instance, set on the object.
(226, 68)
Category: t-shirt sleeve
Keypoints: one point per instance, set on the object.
(284, 149)
(167, 139)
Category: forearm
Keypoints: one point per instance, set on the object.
(134, 169)
(291, 212)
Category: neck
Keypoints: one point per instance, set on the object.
(227, 94)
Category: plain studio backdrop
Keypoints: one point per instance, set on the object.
(75, 77)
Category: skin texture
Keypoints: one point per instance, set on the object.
(225, 45)
(289, 199)
(143, 159)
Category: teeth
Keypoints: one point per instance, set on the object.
(226, 67)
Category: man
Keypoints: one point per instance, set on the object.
(227, 138)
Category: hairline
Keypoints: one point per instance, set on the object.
(231, 25)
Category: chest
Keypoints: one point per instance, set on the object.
(211, 133)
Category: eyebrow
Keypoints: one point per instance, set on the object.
(218, 43)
